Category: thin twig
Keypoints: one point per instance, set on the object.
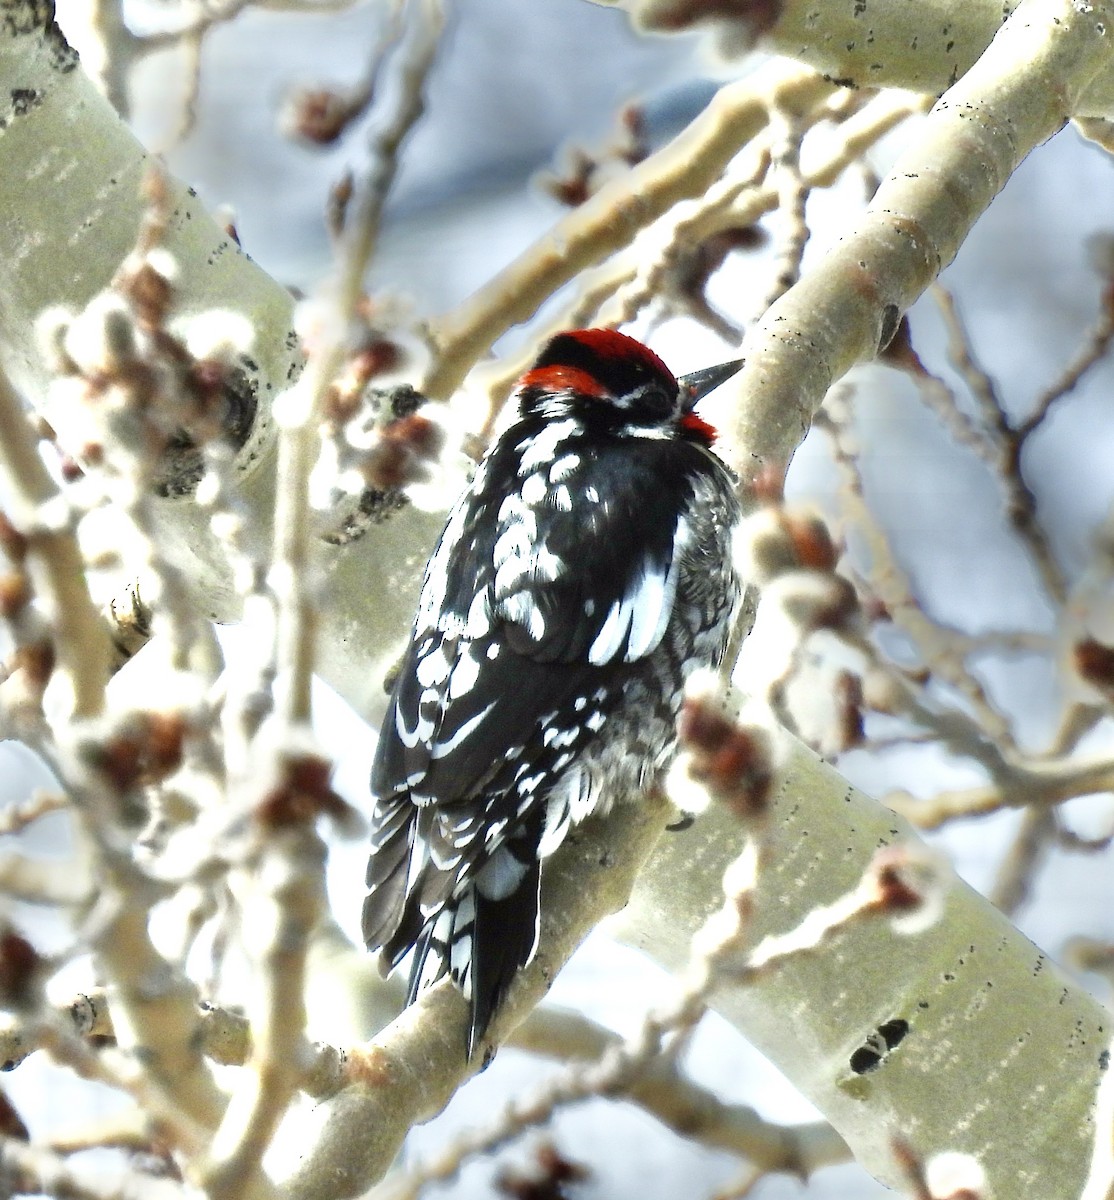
(1014, 882)
(1034, 784)
(941, 648)
(786, 134)
(1003, 449)
(1095, 347)
(611, 218)
(41, 803)
(54, 560)
(283, 887)
(677, 1101)
(298, 433)
(31, 1169)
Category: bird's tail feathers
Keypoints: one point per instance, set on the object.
(482, 940)
(392, 837)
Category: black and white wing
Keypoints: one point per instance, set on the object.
(537, 604)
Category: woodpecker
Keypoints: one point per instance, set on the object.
(583, 575)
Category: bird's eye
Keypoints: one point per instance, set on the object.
(653, 402)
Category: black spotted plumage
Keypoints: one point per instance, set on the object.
(582, 575)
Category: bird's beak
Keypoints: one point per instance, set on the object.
(697, 384)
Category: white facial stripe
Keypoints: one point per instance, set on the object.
(652, 433)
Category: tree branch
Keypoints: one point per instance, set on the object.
(1018, 94)
(924, 47)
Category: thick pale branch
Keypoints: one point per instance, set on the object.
(925, 46)
(1018, 95)
(685, 168)
(985, 1009)
(410, 1072)
(62, 245)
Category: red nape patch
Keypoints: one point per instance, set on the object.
(609, 343)
(563, 379)
(698, 426)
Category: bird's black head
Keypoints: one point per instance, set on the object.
(607, 378)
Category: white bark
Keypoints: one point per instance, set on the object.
(69, 192)
(926, 46)
(1004, 1055)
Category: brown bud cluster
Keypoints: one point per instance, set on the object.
(321, 115)
(147, 750)
(740, 22)
(733, 761)
(911, 886)
(150, 294)
(303, 793)
(21, 972)
(548, 1180)
(375, 357)
(36, 661)
(1094, 662)
(15, 594)
(896, 888)
(684, 286)
(585, 171)
(12, 542)
(781, 539)
(849, 708)
(11, 1123)
(405, 446)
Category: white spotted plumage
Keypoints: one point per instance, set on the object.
(581, 577)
